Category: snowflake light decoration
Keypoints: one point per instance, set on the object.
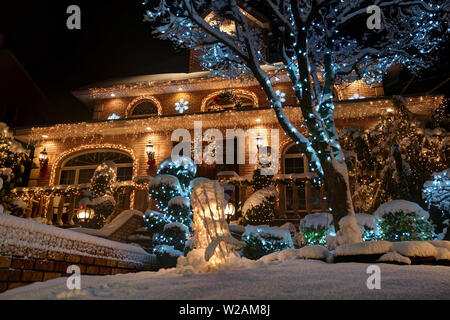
(281, 95)
(114, 117)
(182, 105)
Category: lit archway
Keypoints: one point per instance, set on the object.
(118, 152)
(248, 95)
(143, 106)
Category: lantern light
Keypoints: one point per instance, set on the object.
(85, 214)
(149, 149)
(229, 210)
(43, 156)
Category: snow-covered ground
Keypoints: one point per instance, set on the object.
(289, 279)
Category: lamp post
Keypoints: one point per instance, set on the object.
(229, 211)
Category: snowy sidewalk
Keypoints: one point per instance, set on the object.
(292, 279)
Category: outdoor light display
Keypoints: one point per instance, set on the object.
(210, 224)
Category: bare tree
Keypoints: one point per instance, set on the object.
(321, 43)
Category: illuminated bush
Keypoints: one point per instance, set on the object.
(404, 226)
(315, 235)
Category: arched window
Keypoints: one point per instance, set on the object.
(296, 197)
(79, 168)
(232, 99)
(143, 108)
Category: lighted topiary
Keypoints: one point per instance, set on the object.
(181, 167)
(260, 181)
(155, 221)
(263, 240)
(259, 207)
(180, 210)
(162, 189)
(404, 226)
(170, 227)
(104, 177)
(315, 235)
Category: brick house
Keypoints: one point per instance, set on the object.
(129, 112)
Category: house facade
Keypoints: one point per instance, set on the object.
(130, 113)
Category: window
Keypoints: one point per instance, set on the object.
(80, 168)
(145, 107)
(229, 100)
(296, 197)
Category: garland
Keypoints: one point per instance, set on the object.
(219, 100)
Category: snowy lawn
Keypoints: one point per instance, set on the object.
(291, 279)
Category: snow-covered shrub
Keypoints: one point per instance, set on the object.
(163, 188)
(103, 208)
(261, 181)
(155, 221)
(392, 160)
(349, 231)
(104, 177)
(404, 226)
(367, 225)
(166, 256)
(171, 189)
(316, 227)
(180, 210)
(263, 240)
(182, 167)
(259, 207)
(13, 159)
(436, 193)
(175, 234)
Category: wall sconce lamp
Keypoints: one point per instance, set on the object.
(43, 162)
(149, 150)
(259, 142)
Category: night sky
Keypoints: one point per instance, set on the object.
(113, 42)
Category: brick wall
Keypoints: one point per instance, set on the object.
(104, 108)
(17, 271)
(126, 229)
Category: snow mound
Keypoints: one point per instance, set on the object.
(414, 248)
(111, 227)
(178, 225)
(180, 201)
(194, 263)
(19, 235)
(165, 179)
(287, 254)
(236, 229)
(349, 231)
(319, 219)
(258, 197)
(264, 230)
(440, 243)
(400, 205)
(366, 220)
(102, 200)
(368, 247)
(315, 252)
(394, 257)
(442, 254)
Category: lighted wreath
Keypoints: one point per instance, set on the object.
(222, 98)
